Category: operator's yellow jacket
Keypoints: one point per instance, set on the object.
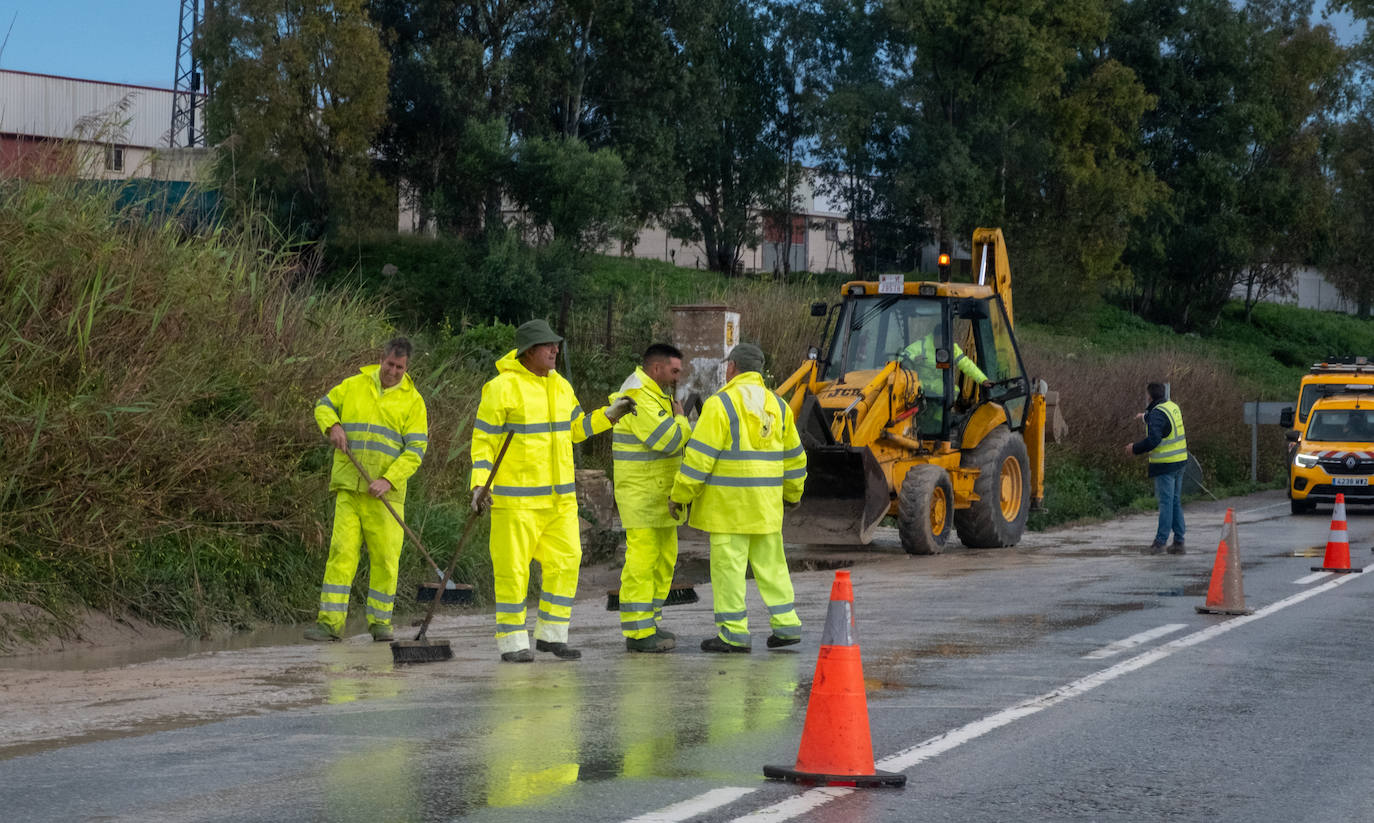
(537, 471)
(647, 447)
(745, 459)
(388, 431)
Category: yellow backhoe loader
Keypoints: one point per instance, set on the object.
(920, 409)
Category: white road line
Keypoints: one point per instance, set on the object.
(1311, 578)
(793, 806)
(1112, 649)
(921, 752)
(1264, 508)
(701, 804)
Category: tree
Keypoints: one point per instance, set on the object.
(297, 94)
(576, 193)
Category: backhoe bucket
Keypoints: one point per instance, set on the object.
(846, 498)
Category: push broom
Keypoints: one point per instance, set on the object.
(422, 649)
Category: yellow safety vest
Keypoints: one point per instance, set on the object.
(922, 354)
(734, 474)
(388, 431)
(647, 447)
(1174, 448)
(537, 471)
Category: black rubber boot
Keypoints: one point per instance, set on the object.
(560, 650)
(715, 644)
(522, 656)
(652, 644)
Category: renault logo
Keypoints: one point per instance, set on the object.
(1350, 461)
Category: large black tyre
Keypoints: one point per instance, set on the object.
(925, 506)
(998, 516)
(1301, 506)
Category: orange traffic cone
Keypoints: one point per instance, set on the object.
(1338, 543)
(836, 749)
(1226, 595)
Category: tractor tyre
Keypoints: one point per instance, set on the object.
(998, 516)
(925, 510)
(1301, 506)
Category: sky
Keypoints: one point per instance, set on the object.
(122, 41)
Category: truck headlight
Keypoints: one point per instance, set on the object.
(1304, 461)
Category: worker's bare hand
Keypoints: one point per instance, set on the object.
(1140, 415)
(674, 509)
(677, 409)
(481, 500)
(1130, 449)
(337, 438)
(379, 487)
(987, 384)
(622, 406)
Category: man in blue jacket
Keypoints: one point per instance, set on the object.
(1167, 448)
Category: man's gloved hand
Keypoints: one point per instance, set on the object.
(481, 500)
(674, 509)
(622, 406)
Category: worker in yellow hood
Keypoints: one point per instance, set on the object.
(647, 448)
(533, 498)
(379, 416)
(744, 461)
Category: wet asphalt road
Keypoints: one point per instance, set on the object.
(991, 683)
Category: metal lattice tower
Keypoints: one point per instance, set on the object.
(186, 96)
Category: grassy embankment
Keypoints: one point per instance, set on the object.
(155, 409)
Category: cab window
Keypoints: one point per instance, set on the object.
(1342, 425)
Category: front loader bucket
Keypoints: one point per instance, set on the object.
(846, 498)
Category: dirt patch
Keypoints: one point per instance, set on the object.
(94, 630)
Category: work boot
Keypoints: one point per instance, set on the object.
(653, 643)
(1154, 548)
(715, 644)
(380, 632)
(1176, 547)
(776, 642)
(522, 656)
(321, 632)
(560, 650)
(664, 633)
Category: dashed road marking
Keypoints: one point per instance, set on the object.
(1112, 649)
(694, 806)
(1311, 578)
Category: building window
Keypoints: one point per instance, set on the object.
(114, 158)
(832, 230)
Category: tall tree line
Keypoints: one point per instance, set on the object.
(1163, 152)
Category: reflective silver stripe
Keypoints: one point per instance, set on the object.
(374, 446)
(587, 426)
(553, 618)
(695, 474)
(640, 456)
(734, 419)
(796, 451)
(787, 633)
(839, 624)
(556, 599)
(736, 638)
(381, 598)
(510, 608)
(372, 428)
(380, 614)
(793, 474)
(658, 601)
(419, 451)
(697, 445)
(671, 448)
(416, 438)
(625, 439)
(482, 464)
(782, 609)
(521, 491)
(575, 412)
(646, 623)
(736, 454)
(565, 488)
(1162, 456)
(487, 428)
(333, 588)
(333, 607)
(659, 432)
(721, 617)
(324, 401)
(742, 482)
(540, 428)
(635, 607)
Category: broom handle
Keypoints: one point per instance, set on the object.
(390, 508)
(463, 538)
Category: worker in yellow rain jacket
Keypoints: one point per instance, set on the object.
(744, 461)
(921, 357)
(379, 416)
(533, 499)
(648, 447)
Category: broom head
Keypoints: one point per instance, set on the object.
(420, 651)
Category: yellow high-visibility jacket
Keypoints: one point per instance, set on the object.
(744, 460)
(647, 447)
(537, 471)
(388, 431)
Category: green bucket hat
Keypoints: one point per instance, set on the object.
(533, 333)
(747, 357)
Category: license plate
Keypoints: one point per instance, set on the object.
(1350, 481)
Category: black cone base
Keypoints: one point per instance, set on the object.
(867, 781)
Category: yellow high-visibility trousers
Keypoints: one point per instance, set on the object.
(731, 555)
(550, 536)
(650, 555)
(361, 517)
